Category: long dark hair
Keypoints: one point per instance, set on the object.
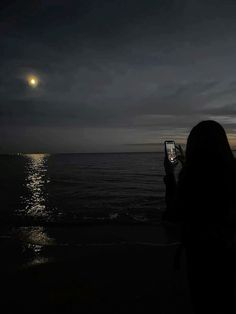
(208, 145)
(206, 181)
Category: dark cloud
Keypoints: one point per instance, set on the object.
(227, 110)
(114, 73)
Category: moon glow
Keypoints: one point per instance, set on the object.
(33, 81)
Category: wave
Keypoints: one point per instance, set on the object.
(72, 220)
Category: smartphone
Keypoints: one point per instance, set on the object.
(170, 151)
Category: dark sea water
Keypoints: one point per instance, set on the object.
(70, 188)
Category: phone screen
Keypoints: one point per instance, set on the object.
(171, 151)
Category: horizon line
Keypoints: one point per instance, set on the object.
(70, 153)
(57, 153)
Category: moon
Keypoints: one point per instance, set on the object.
(33, 81)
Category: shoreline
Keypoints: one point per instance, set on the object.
(93, 269)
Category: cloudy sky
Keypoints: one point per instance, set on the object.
(114, 75)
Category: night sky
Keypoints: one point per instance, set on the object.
(114, 75)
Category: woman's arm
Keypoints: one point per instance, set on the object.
(171, 185)
(173, 200)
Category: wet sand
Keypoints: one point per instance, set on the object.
(92, 269)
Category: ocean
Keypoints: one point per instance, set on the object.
(75, 188)
(82, 230)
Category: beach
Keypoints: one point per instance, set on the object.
(107, 268)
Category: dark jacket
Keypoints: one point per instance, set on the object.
(203, 201)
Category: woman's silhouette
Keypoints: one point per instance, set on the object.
(203, 201)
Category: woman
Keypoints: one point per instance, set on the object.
(203, 202)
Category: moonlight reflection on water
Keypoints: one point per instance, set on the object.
(36, 179)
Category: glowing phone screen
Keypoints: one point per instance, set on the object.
(171, 151)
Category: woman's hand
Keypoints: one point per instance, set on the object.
(169, 166)
(180, 155)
